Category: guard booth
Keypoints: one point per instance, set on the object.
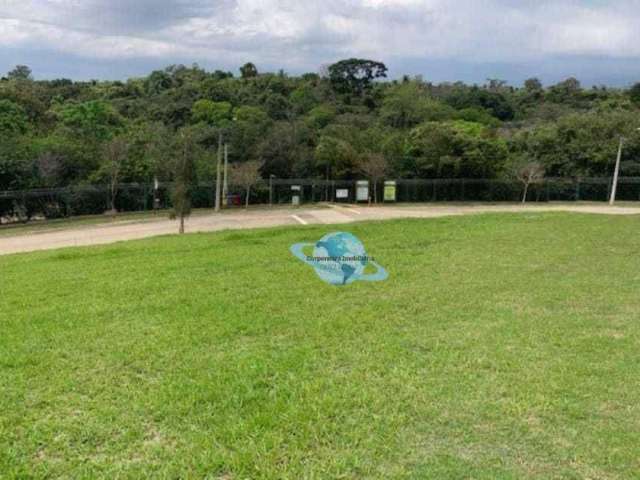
(362, 191)
(390, 191)
(296, 195)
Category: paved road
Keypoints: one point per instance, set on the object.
(110, 233)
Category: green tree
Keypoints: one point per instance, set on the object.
(158, 82)
(96, 120)
(218, 114)
(320, 116)
(634, 93)
(336, 157)
(533, 85)
(456, 149)
(20, 72)
(251, 125)
(15, 168)
(248, 70)
(13, 119)
(408, 104)
(355, 75)
(304, 99)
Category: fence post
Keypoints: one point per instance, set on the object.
(547, 189)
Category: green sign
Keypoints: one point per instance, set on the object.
(389, 191)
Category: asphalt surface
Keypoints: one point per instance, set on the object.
(334, 214)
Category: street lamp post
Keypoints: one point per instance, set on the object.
(271, 177)
(218, 172)
(616, 174)
(225, 182)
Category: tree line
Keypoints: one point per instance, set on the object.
(346, 122)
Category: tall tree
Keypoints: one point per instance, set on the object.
(20, 72)
(355, 75)
(248, 70)
(184, 175)
(115, 153)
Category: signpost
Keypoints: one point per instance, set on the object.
(297, 195)
(342, 194)
(362, 191)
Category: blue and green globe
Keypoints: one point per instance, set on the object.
(339, 259)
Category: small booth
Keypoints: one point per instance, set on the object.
(390, 191)
(362, 191)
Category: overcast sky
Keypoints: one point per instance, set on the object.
(471, 40)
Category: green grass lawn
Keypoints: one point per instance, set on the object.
(502, 346)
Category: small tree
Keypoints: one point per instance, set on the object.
(529, 173)
(115, 154)
(246, 175)
(375, 167)
(184, 173)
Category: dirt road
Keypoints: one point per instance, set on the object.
(335, 214)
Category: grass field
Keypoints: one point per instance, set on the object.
(502, 346)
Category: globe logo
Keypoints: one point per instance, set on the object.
(339, 259)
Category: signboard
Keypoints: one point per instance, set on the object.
(390, 191)
(362, 191)
(342, 193)
(296, 198)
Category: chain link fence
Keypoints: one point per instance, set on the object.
(96, 199)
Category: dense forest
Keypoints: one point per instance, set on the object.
(345, 122)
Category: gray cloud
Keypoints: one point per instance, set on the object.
(300, 35)
(132, 17)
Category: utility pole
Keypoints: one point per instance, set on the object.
(218, 172)
(225, 183)
(616, 174)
